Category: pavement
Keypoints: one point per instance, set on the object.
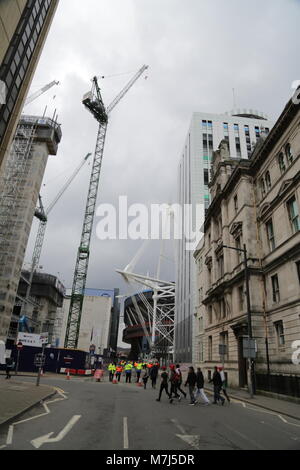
(281, 407)
(16, 397)
(89, 415)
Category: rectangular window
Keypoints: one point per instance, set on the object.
(275, 288)
(223, 308)
(224, 342)
(238, 245)
(209, 312)
(298, 270)
(206, 178)
(257, 132)
(236, 205)
(210, 348)
(270, 233)
(279, 333)
(221, 266)
(241, 298)
(205, 145)
(294, 214)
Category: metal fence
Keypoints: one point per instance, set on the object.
(282, 384)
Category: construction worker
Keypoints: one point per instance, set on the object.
(119, 370)
(138, 369)
(128, 369)
(110, 370)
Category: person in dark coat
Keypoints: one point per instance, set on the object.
(9, 366)
(200, 386)
(217, 382)
(174, 382)
(191, 382)
(153, 375)
(164, 385)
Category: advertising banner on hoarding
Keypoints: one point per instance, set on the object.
(30, 339)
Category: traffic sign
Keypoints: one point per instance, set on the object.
(39, 359)
(20, 345)
(249, 348)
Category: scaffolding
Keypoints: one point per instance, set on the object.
(12, 186)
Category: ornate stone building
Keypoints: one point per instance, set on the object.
(255, 203)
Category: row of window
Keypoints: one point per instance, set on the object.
(293, 212)
(223, 342)
(18, 55)
(284, 159)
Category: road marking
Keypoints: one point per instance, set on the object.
(246, 438)
(193, 441)
(125, 433)
(291, 436)
(39, 441)
(9, 438)
(10, 434)
(284, 420)
(253, 407)
(178, 426)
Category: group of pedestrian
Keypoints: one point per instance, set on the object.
(143, 370)
(195, 383)
(171, 381)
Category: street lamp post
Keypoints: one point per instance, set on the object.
(250, 336)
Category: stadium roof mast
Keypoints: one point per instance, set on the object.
(94, 103)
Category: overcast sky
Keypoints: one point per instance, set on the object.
(197, 51)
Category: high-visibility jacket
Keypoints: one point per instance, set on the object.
(150, 366)
(113, 368)
(110, 367)
(139, 366)
(128, 367)
(119, 369)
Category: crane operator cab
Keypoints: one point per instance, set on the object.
(96, 107)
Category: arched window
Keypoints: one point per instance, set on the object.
(288, 153)
(281, 162)
(268, 180)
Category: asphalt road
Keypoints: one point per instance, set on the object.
(93, 416)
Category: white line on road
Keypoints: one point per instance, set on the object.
(246, 438)
(125, 433)
(9, 438)
(39, 441)
(178, 426)
(10, 434)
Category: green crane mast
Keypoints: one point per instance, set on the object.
(93, 102)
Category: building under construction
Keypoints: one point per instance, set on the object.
(36, 138)
(43, 312)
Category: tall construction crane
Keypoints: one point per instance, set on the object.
(93, 102)
(38, 93)
(42, 215)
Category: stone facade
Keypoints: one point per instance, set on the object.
(255, 203)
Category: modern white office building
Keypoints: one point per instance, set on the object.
(242, 128)
(99, 321)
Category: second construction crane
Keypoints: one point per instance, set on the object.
(93, 102)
